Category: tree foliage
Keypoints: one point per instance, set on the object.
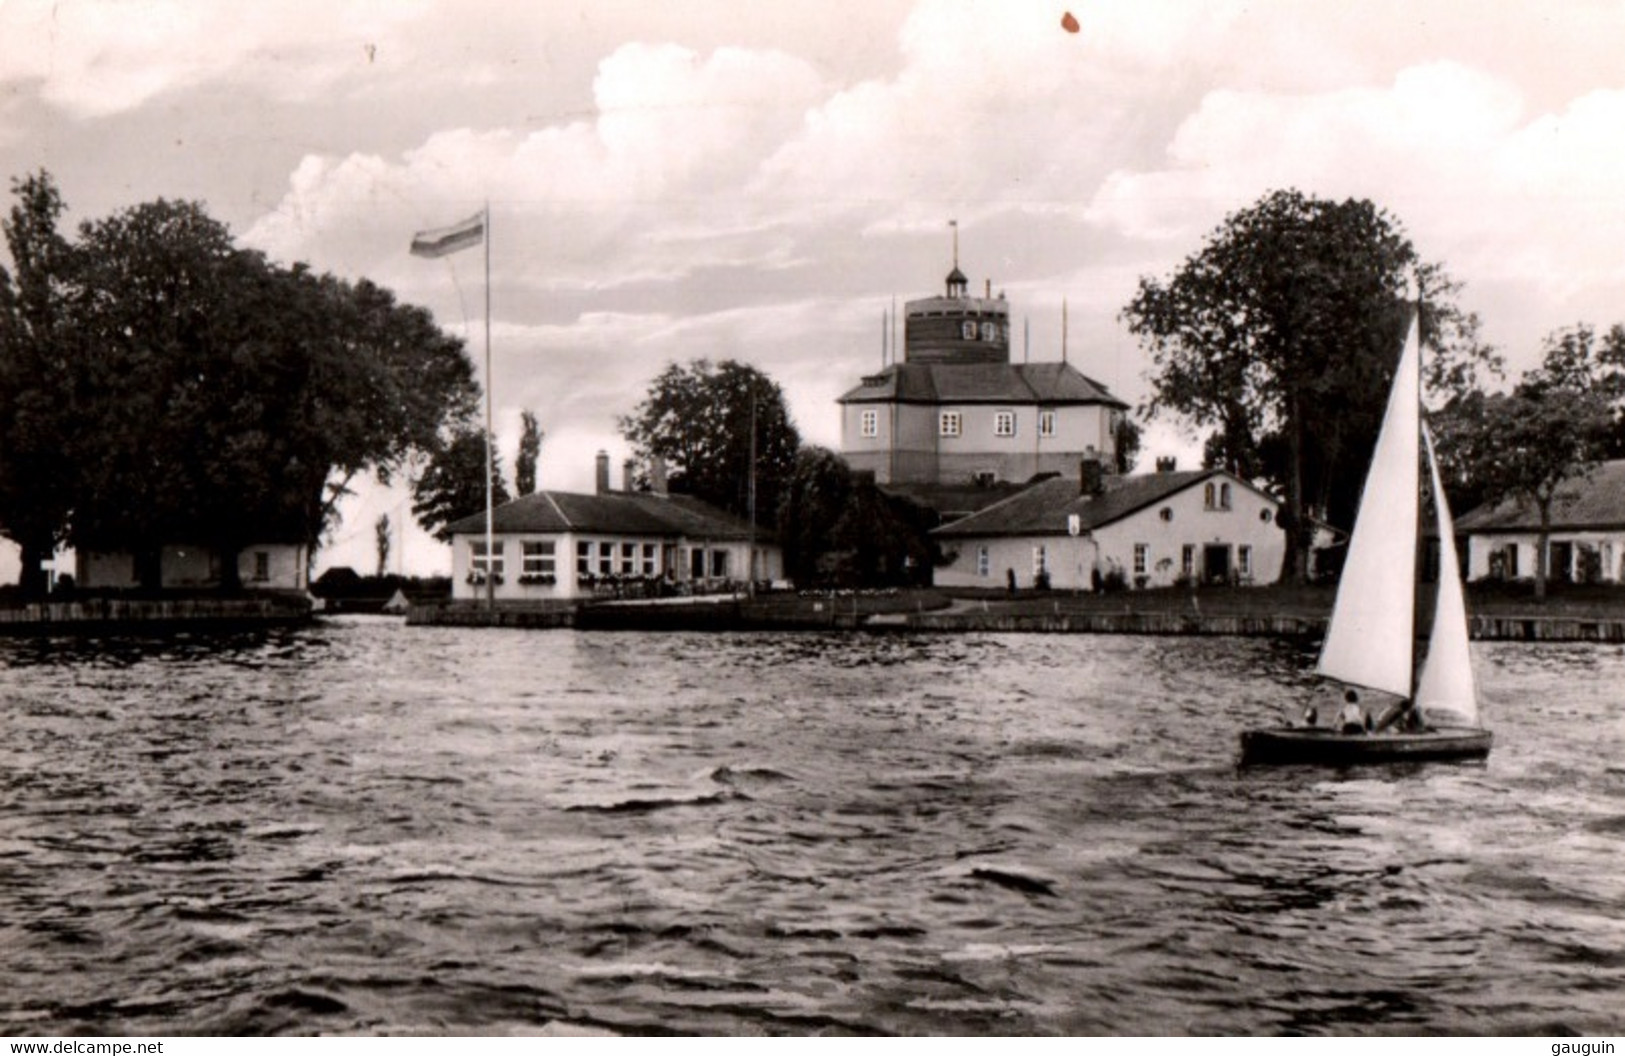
(1553, 426)
(530, 450)
(699, 419)
(205, 394)
(1281, 336)
(810, 506)
(451, 485)
(1125, 445)
(37, 415)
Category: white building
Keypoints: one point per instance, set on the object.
(1157, 529)
(560, 545)
(1587, 539)
(184, 566)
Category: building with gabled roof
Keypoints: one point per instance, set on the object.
(1206, 526)
(561, 545)
(956, 410)
(1586, 541)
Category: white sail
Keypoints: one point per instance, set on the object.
(1446, 685)
(1371, 637)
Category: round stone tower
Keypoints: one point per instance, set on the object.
(956, 327)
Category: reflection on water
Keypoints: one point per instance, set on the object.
(363, 827)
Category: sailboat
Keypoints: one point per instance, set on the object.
(1371, 640)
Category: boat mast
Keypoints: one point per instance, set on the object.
(1422, 481)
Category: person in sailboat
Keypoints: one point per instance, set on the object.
(1351, 718)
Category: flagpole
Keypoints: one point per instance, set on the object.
(490, 557)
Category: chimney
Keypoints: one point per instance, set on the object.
(1091, 477)
(627, 480)
(988, 290)
(657, 474)
(1167, 464)
(603, 472)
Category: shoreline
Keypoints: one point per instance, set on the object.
(885, 612)
(741, 615)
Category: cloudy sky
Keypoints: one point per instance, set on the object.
(736, 179)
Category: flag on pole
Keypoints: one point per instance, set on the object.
(447, 240)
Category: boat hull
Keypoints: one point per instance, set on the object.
(1320, 747)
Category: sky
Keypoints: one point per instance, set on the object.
(730, 179)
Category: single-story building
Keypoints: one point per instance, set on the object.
(181, 566)
(1154, 529)
(1587, 539)
(567, 545)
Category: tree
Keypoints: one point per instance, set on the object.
(37, 414)
(699, 418)
(886, 537)
(810, 506)
(530, 449)
(208, 395)
(380, 533)
(450, 487)
(1549, 430)
(1125, 444)
(1282, 335)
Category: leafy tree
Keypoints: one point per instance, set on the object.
(37, 413)
(380, 534)
(530, 449)
(450, 487)
(810, 506)
(1549, 430)
(1282, 335)
(1125, 444)
(886, 537)
(699, 418)
(214, 397)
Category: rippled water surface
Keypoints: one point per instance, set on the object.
(364, 827)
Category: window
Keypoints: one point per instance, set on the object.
(1187, 560)
(536, 559)
(629, 558)
(1244, 561)
(478, 559)
(262, 566)
(1512, 560)
(990, 331)
(1209, 492)
(1004, 423)
(1141, 552)
(949, 423)
(696, 563)
(719, 564)
(983, 564)
(1040, 562)
(583, 558)
(1224, 496)
(606, 558)
(1046, 423)
(967, 330)
(870, 423)
(650, 553)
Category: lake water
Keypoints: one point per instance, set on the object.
(367, 828)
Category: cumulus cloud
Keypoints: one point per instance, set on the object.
(1504, 196)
